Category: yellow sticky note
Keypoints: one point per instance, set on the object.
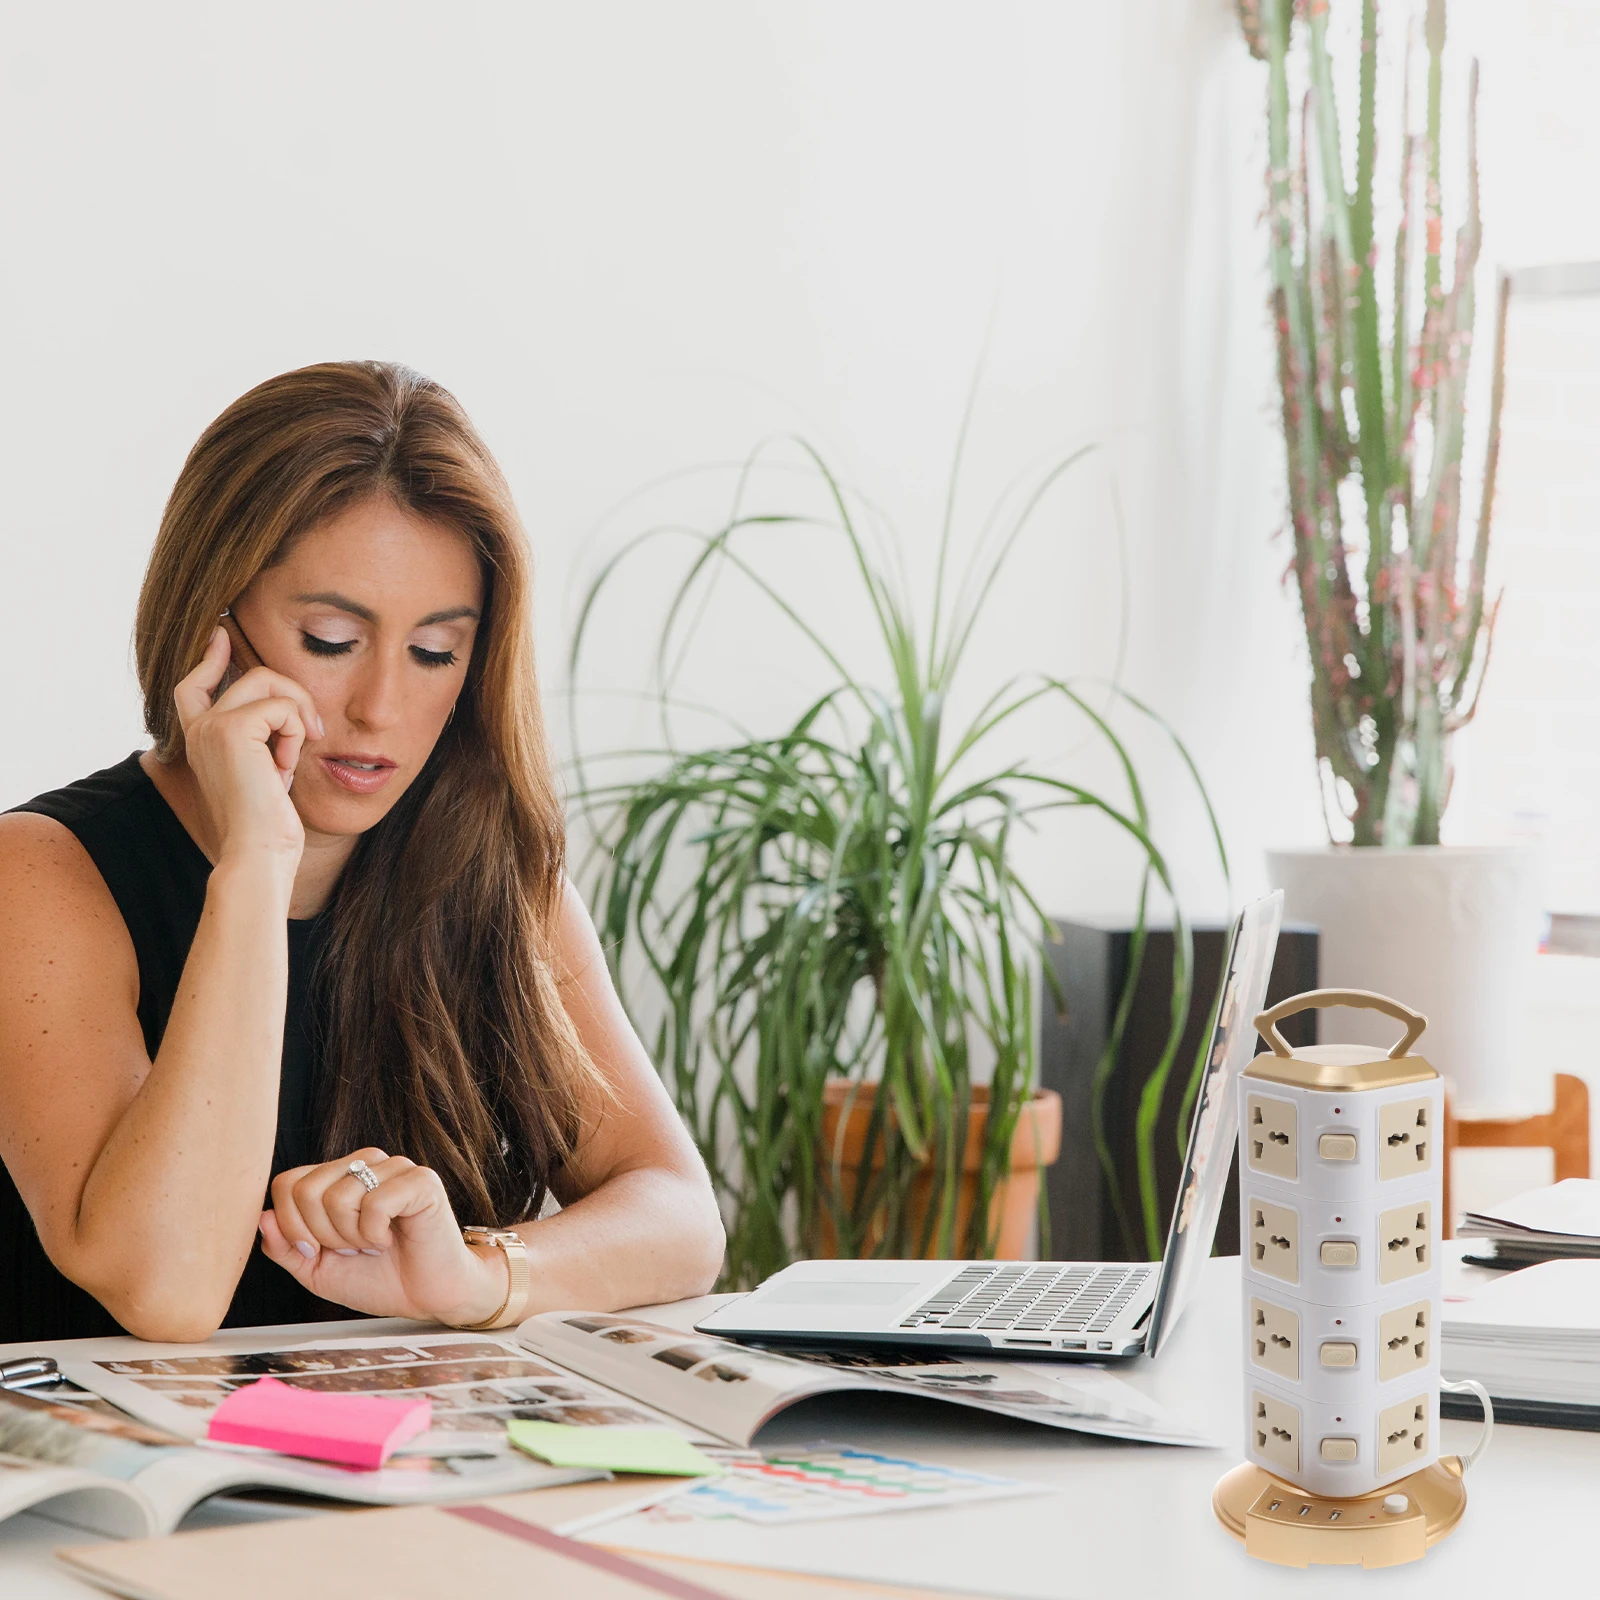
(657, 1450)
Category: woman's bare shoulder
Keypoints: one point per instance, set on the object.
(577, 944)
(53, 900)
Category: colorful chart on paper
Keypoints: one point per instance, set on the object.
(828, 1480)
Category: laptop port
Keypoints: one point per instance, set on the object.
(1105, 1344)
(1032, 1344)
(1074, 1344)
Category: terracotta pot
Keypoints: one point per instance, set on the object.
(1015, 1202)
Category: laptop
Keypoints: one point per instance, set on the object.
(1085, 1311)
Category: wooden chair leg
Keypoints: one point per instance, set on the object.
(1570, 1133)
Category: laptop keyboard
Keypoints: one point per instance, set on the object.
(1023, 1298)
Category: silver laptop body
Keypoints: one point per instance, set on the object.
(1086, 1311)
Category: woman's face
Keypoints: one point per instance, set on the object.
(374, 613)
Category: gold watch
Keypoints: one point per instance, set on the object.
(516, 1254)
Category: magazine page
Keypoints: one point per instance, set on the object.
(89, 1458)
(1084, 1398)
(77, 1498)
(728, 1389)
(476, 1384)
(733, 1389)
(166, 1475)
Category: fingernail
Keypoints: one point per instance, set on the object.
(372, 1252)
(321, 731)
(309, 1251)
(347, 1252)
(288, 782)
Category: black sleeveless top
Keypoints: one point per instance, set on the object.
(157, 875)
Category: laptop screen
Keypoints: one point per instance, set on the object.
(1213, 1131)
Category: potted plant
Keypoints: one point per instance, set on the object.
(828, 924)
(1373, 352)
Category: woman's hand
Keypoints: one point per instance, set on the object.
(394, 1251)
(242, 747)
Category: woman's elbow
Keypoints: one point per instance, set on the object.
(701, 1240)
(153, 1307)
(164, 1319)
(711, 1241)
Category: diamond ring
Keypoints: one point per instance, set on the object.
(369, 1179)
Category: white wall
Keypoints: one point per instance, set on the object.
(635, 238)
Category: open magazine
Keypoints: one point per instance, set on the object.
(85, 1462)
(597, 1370)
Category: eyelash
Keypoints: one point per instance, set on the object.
(326, 647)
(340, 647)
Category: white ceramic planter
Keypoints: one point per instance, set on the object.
(1450, 930)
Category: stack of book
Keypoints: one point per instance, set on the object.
(1552, 1224)
(1532, 1337)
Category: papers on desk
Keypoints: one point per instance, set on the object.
(732, 1391)
(808, 1483)
(595, 1370)
(1532, 1335)
(475, 1386)
(98, 1468)
(1543, 1225)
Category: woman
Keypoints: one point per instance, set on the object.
(318, 943)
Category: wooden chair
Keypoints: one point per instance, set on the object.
(1564, 1130)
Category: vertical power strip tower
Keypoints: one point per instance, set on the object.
(1340, 1212)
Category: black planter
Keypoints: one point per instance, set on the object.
(1091, 963)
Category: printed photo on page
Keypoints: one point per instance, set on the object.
(476, 1386)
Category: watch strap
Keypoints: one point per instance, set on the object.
(515, 1249)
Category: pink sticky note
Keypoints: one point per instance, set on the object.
(356, 1430)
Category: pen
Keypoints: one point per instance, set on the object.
(31, 1372)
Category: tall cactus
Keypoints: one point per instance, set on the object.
(1374, 411)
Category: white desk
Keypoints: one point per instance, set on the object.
(1124, 1520)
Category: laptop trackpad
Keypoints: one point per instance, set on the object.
(865, 1293)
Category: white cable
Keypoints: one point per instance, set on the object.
(1472, 1386)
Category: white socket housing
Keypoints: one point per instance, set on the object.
(1340, 1207)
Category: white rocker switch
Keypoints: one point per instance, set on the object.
(1338, 1449)
(1338, 1353)
(1339, 1252)
(1337, 1147)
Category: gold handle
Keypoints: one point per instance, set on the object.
(1320, 999)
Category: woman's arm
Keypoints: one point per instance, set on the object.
(639, 1223)
(145, 1178)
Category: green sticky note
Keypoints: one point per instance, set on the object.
(612, 1449)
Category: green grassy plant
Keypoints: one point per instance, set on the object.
(838, 900)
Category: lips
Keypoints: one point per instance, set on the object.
(360, 773)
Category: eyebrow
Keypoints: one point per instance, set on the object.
(342, 602)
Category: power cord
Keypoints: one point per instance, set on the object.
(1472, 1386)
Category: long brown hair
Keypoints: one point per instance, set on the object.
(443, 1036)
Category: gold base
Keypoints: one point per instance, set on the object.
(1277, 1522)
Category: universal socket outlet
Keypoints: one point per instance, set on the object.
(1403, 1339)
(1270, 1141)
(1405, 1241)
(1275, 1431)
(1405, 1139)
(1275, 1240)
(1275, 1339)
(1402, 1435)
